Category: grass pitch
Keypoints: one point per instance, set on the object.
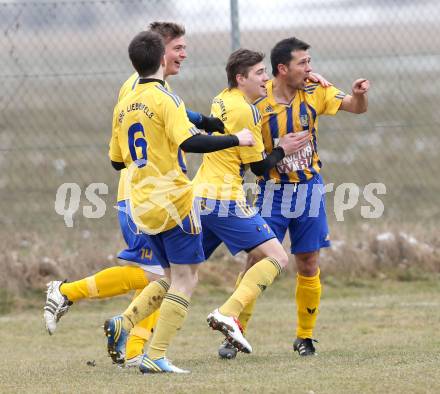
(375, 337)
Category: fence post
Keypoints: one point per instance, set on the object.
(235, 25)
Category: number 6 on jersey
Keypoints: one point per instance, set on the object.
(138, 141)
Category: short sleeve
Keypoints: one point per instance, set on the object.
(115, 153)
(328, 100)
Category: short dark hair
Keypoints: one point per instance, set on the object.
(146, 51)
(281, 53)
(168, 30)
(239, 62)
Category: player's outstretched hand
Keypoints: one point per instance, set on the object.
(360, 86)
(245, 138)
(315, 77)
(211, 124)
(294, 142)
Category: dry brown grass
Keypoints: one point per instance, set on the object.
(29, 260)
(397, 253)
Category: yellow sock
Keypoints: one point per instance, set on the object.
(308, 295)
(246, 315)
(248, 310)
(140, 334)
(172, 315)
(135, 346)
(106, 283)
(148, 301)
(254, 281)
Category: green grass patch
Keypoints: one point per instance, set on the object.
(380, 337)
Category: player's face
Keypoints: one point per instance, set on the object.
(254, 85)
(298, 70)
(175, 54)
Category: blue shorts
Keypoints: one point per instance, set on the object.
(236, 224)
(138, 250)
(179, 245)
(299, 207)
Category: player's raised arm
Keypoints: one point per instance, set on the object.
(210, 143)
(208, 123)
(182, 132)
(357, 102)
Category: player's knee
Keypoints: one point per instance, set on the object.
(274, 249)
(167, 273)
(307, 263)
(280, 255)
(194, 280)
(184, 279)
(191, 283)
(152, 277)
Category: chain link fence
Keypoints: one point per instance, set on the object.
(62, 64)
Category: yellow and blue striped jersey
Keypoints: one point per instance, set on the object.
(129, 86)
(299, 115)
(220, 177)
(149, 124)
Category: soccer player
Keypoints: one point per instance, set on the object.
(149, 126)
(226, 217)
(291, 195)
(119, 280)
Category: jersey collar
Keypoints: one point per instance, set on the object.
(147, 80)
(271, 98)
